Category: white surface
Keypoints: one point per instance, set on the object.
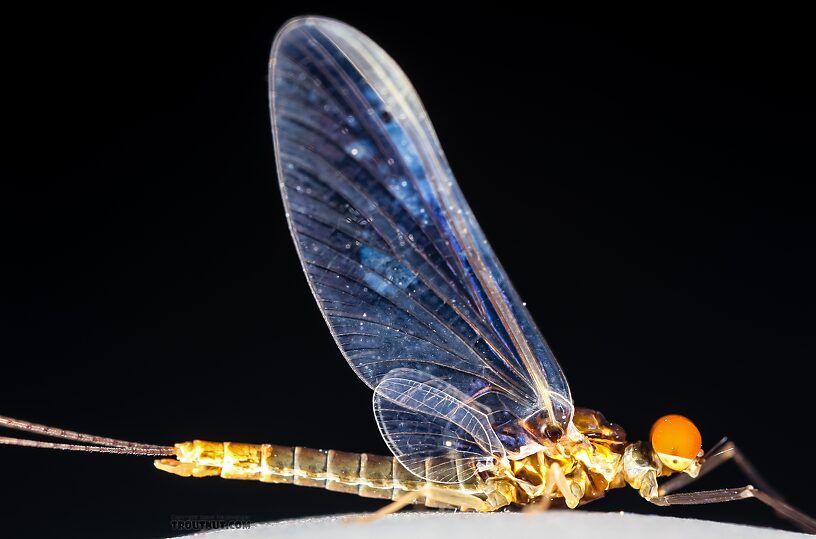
(550, 525)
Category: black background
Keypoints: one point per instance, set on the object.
(644, 177)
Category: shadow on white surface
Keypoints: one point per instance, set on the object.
(549, 525)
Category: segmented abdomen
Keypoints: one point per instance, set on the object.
(364, 474)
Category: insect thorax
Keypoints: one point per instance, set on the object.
(578, 468)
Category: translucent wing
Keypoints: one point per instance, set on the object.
(399, 266)
(430, 427)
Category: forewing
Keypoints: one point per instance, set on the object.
(401, 270)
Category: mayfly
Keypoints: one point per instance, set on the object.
(467, 394)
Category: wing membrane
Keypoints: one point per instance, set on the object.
(426, 419)
(398, 264)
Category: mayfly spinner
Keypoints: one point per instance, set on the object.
(467, 394)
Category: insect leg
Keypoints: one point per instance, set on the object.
(800, 519)
(721, 453)
(461, 500)
(543, 503)
(403, 501)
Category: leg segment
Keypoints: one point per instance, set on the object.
(461, 500)
(800, 519)
(543, 502)
(555, 482)
(719, 454)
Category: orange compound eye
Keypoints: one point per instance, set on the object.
(676, 441)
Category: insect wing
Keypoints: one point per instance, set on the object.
(430, 427)
(399, 266)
